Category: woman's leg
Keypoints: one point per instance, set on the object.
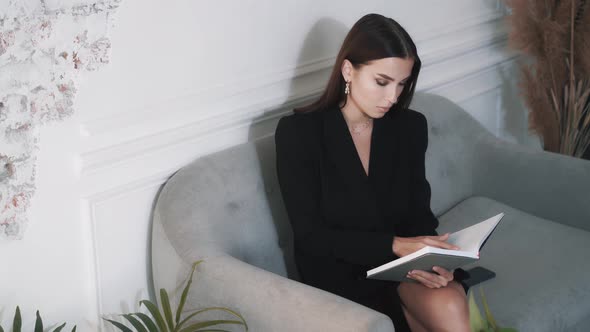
(438, 309)
(413, 322)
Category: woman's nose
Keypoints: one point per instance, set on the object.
(392, 99)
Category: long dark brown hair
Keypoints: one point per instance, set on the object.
(373, 37)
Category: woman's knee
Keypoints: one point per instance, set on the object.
(450, 299)
(442, 309)
(457, 286)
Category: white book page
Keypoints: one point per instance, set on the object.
(424, 251)
(469, 241)
(471, 238)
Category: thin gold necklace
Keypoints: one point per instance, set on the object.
(359, 129)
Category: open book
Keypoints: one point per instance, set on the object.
(469, 240)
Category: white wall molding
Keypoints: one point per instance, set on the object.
(480, 82)
(114, 145)
(435, 45)
(103, 263)
(495, 12)
(99, 184)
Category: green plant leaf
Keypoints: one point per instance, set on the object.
(38, 323)
(475, 319)
(74, 328)
(17, 323)
(135, 322)
(121, 327)
(486, 308)
(1, 329)
(59, 328)
(194, 327)
(507, 329)
(184, 321)
(147, 321)
(166, 308)
(153, 309)
(185, 291)
(212, 330)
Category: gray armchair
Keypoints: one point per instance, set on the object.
(226, 208)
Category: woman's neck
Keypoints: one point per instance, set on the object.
(354, 116)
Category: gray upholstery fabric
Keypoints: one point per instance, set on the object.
(541, 267)
(226, 208)
(229, 202)
(268, 301)
(451, 153)
(545, 184)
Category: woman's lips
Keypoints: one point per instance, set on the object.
(383, 109)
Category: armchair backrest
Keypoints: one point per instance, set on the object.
(452, 147)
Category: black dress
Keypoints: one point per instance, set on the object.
(343, 220)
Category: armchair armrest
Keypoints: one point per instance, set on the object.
(267, 301)
(549, 185)
(270, 302)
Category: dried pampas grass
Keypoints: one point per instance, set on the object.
(556, 87)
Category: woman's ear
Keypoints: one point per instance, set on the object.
(346, 70)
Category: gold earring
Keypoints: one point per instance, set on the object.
(347, 88)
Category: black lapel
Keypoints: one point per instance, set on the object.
(384, 149)
(340, 147)
(341, 150)
(376, 189)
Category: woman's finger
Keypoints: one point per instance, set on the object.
(448, 275)
(442, 281)
(440, 244)
(432, 278)
(423, 281)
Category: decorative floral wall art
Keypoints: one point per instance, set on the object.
(43, 52)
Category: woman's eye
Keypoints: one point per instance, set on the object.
(402, 83)
(381, 83)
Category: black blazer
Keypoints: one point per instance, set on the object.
(343, 220)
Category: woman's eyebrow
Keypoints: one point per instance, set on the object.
(391, 79)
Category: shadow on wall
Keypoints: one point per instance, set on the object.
(316, 42)
(514, 120)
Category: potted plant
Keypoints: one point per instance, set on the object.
(17, 323)
(164, 320)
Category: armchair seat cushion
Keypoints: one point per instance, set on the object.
(541, 267)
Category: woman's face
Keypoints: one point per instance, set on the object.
(376, 86)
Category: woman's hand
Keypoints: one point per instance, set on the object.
(432, 280)
(403, 246)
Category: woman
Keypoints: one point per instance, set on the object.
(352, 175)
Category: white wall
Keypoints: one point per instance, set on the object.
(186, 79)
